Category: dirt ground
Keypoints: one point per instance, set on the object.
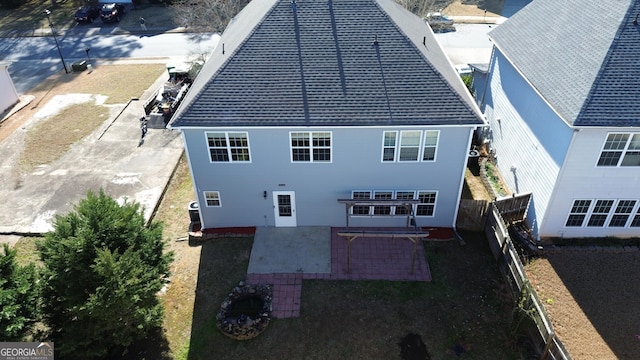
(592, 298)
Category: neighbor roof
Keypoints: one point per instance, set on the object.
(327, 63)
(583, 57)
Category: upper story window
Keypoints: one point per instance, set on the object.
(228, 146)
(310, 146)
(409, 145)
(620, 150)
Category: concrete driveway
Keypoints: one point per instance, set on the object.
(110, 159)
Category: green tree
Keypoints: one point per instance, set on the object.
(103, 269)
(18, 297)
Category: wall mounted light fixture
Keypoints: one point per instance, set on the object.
(264, 194)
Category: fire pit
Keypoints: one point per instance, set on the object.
(244, 314)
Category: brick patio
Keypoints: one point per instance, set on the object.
(371, 259)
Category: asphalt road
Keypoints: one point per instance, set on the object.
(33, 59)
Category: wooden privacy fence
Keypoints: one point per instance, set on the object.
(471, 214)
(544, 339)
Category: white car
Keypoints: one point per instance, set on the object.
(436, 18)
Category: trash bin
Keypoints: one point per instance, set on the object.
(79, 65)
(194, 216)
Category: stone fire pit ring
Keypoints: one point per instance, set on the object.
(234, 323)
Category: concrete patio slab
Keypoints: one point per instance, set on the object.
(291, 250)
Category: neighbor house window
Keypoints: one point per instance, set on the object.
(427, 204)
(612, 213)
(620, 150)
(310, 146)
(622, 213)
(212, 198)
(228, 146)
(600, 213)
(636, 219)
(409, 145)
(361, 209)
(578, 213)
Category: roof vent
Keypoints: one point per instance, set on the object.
(635, 20)
(375, 41)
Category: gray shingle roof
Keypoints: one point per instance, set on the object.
(583, 57)
(327, 63)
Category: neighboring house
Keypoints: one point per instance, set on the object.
(563, 105)
(303, 103)
(7, 89)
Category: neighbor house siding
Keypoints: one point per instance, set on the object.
(356, 164)
(530, 141)
(582, 179)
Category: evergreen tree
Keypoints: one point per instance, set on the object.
(18, 297)
(103, 269)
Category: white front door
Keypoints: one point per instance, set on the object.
(284, 205)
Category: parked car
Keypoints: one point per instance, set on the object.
(87, 14)
(111, 12)
(436, 18)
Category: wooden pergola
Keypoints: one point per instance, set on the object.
(411, 232)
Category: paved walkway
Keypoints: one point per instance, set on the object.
(383, 258)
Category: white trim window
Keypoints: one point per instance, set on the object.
(427, 205)
(228, 146)
(410, 145)
(604, 212)
(361, 209)
(310, 146)
(600, 213)
(403, 195)
(382, 209)
(620, 150)
(621, 215)
(578, 213)
(212, 198)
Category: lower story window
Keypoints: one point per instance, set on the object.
(426, 207)
(212, 198)
(601, 212)
(427, 203)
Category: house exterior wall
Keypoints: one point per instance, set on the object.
(356, 164)
(529, 139)
(580, 178)
(7, 89)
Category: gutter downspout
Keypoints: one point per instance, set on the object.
(455, 216)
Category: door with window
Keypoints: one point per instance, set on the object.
(284, 205)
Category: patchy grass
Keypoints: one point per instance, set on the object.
(131, 81)
(466, 308)
(47, 141)
(26, 251)
(29, 15)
